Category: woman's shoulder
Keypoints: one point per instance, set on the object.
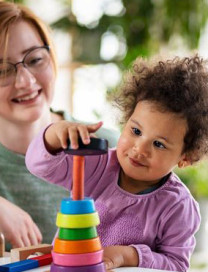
(11, 157)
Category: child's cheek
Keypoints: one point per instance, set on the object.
(123, 142)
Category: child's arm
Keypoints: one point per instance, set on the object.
(174, 242)
(117, 256)
(42, 159)
(175, 239)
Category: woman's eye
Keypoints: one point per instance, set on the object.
(34, 61)
(159, 144)
(6, 71)
(136, 131)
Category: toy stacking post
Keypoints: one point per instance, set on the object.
(77, 247)
(78, 178)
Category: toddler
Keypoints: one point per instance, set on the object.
(148, 216)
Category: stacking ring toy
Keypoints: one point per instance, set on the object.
(77, 246)
(77, 234)
(77, 220)
(95, 147)
(89, 268)
(77, 259)
(69, 206)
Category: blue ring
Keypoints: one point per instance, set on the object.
(70, 206)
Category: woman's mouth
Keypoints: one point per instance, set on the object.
(27, 98)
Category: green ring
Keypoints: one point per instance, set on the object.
(77, 234)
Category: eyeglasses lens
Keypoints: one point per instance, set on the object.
(34, 61)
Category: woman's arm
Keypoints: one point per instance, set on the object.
(17, 226)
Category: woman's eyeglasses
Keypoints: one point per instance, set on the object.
(35, 61)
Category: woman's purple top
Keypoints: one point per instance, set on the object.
(160, 225)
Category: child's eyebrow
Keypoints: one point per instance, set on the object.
(136, 122)
(165, 139)
(158, 136)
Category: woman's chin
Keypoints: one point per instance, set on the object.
(32, 116)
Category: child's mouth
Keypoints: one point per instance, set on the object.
(136, 163)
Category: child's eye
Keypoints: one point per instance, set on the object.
(159, 144)
(136, 131)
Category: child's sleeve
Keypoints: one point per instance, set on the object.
(175, 239)
(55, 169)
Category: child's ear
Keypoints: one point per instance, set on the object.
(185, 161)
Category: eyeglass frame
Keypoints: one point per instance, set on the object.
(47, 47)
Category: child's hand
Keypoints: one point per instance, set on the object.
(117, 256)
(56, 135)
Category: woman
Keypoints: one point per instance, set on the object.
(27, 77)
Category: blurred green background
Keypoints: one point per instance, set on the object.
(141, 27)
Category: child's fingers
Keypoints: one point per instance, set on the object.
(93, 135)
(63, 137)
(108, 264)
(84, 134)
(73, 137)
(85, 130)
(74, 131)
(94, 127)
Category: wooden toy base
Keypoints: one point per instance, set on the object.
(89, 268)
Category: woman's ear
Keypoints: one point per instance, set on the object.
(185, 161)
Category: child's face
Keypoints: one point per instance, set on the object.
(150, 145)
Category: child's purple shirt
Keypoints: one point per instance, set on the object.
(160, 225)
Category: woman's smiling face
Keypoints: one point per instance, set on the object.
(150, 146)
(25, 99)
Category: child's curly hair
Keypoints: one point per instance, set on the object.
(179, 86)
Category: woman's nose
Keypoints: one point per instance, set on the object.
(24, 78)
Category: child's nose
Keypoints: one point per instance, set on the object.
(141, 148)
(24, 78)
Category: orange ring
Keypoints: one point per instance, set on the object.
(77, 246)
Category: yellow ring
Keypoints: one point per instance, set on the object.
(78, 221)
